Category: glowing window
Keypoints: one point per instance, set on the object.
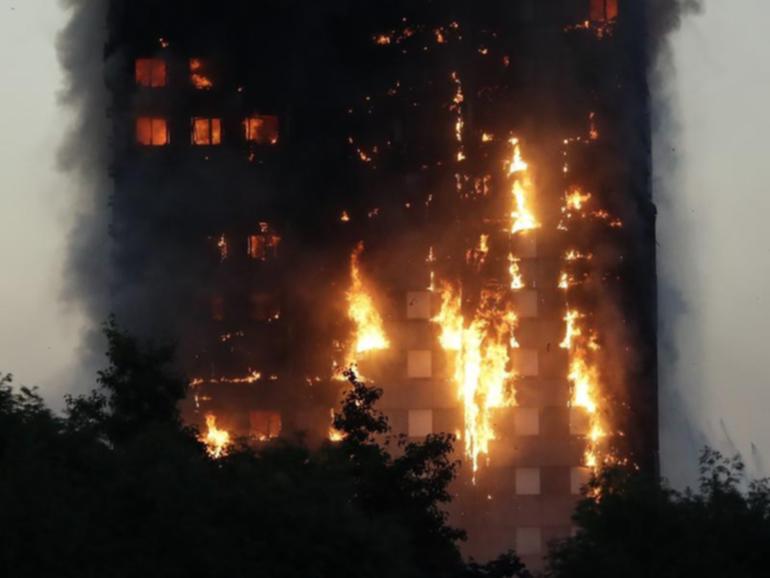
(197, 75)
(419, 364)
(206, 131)
(152, 131)
(604, 10)
(420, 422)
(261, 129)
(265, 425)
(264, 245)
(150, 72)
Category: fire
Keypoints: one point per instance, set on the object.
(572, 330)
(481, 365)
(334, 434)
(198, 79)
(456, 107)
(517, 281)
(370, 334)
(522, 216)
(223, 247)
(217, 440)
(575, 199)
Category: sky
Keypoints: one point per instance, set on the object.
(714, 238)
(39, 333)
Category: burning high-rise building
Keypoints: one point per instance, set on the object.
(454, 196)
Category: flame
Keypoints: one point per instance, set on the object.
(517, 281)
(199, 80)
(575, 199)
(217, 440)
(224, 249)
(334, 434)
(522, 216)
(344, 217)
(481, 361)
(572, 330)
(370, 334)
(456, 107)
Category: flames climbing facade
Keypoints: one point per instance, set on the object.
(452, 198)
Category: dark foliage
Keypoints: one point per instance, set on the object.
(639, 527)
(118, 487)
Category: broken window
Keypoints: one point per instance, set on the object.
(150, 72)
(265, 424)
(264, 245)
(604, 10)
(261, 129)
(197, 75)
(206, 131)
(152, 131)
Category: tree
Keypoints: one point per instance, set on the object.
(119, 487)
(634, 525)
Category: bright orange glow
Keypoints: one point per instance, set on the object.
(480, 353)
(572, 330)
(152, 131)
(457, 108)
(265, 424)
(264, 245)
(575, 199)
(150, 72)
(206, 131)
(261, 129)
(198, 79)
(334, 434)
(370, 333)
(217, 440)
(517, 281)
(522, 217)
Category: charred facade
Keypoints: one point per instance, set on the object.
(454, 196)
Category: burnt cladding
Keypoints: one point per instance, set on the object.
(257, 144)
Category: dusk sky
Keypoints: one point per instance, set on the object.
(714, 237)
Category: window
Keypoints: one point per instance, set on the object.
(526, 363)
(263, 246)
(150, 72)
(261, 129)
(604, 10)
(528, 481)
(206, 131)
(265, 424)
(217, 308)
(527, 421)
(420, 422)
(152, 131)
(579, 477)
(197, 77)
(528, 541)
(579, 421)
(418, 305)
(526, 303)
(264, 307)
(419, 364)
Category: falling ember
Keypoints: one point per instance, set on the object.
(517, 168)
(370, 335)
(217, 440)
(481, 366)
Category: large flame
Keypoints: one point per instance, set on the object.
(481, 365)
(522, 216)
(370, 334)
(217, 440)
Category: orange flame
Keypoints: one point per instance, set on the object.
(217, 440)
(370, 334)
(481, 366)
(522, 216)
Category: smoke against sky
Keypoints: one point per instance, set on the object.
(713, 236)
